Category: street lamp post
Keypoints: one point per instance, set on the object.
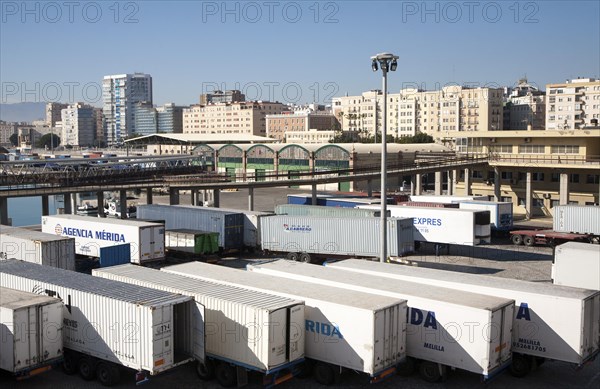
(387, 62)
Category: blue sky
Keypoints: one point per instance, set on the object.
(286, 50)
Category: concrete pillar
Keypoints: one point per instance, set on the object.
(67, 203)
(173, 196)
(100, 201)
(276, 163)
(370, 188)
(250, 198)
(148, 195)
(528, 196)
(314, 194)
(564, 189)
(123, 203)
(413, 184)
(418, 184)
(216, 198)
(73, 203)
(311, 161)
(244, 164)
(4, 210)
(496, 184)
(45, 206)
(454, 180)
(193, 197)
(467, 182)
(438, 183)
(449, 189)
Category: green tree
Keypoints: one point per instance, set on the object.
(14, 139)
(49, 140)
(421, 137)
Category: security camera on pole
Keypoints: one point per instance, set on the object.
(387, 62)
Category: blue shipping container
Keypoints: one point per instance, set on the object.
(115, 255)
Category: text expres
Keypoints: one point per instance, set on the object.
(427, 221)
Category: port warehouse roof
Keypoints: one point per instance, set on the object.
(88, 284)
(195, 139)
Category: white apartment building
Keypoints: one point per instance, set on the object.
(363, 114)
(120, 93)
(244, 117)
(573, 105)
(453, 108)
(310, 136)
(78, 125)
(525, 107)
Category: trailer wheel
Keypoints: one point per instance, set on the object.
(69, 364)
(304, 257)
(226, 375)
(520, 366)
(292, 256)
(430, 371)
(517, 239)
(406, 368)
(528, 241)
(108, 374)
(87, 368)
(324, 374)
(205, 369)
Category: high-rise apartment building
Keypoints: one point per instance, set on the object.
(230, 118)
(525, 108)
(120, 93)
(78, 125)
(53, 113)
(145, 119)
(169, 118)
(573, 105)
(363, 114)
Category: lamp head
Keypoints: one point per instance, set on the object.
(394, 65)
(374, 65)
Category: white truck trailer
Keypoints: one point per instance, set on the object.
(577, 264)
(550, 321)
(440, 329)
(446, 199)
(245, 329)
(342, 330)
(501, 213)
(106, 322)
(445, 225)
(37, 247)
(31, 339)
(579, 219)
(146, 240)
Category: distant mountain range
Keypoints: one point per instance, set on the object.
(22, 112)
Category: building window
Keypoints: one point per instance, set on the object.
(555, 177)
(521, 201)
(502, 149)
(593, 179)
(506, 199)
(506, 175)
(564, 149)
(574, 178)
(537, 176)
(538, 203)
(477, 174)
(531, 149)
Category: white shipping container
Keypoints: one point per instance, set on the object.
(140, 328)
(458, 329)
(550, 321)
(445, 225)
(331, 235)
(501, 213)
(446, 199)
(577, 264)
(579, 219)
(37, 247)
(147, 240)
(254, 330)
(30, 331)
(331, 316)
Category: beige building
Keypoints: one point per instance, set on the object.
(279, 125)
(573, 105)
(525, 107)
(6, 131)
(453, 108)
(53, 113)
(230, 118)
(535, 170)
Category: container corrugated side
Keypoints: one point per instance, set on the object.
(115, 255)
(580, 219)
(37, 247)
(537, 305)
(110, 320)
(251, 225)
(326, 235)
(30, 330)
(229, 225)
(332, 314)
(316, 210)
(438, 317)
(247, 327)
